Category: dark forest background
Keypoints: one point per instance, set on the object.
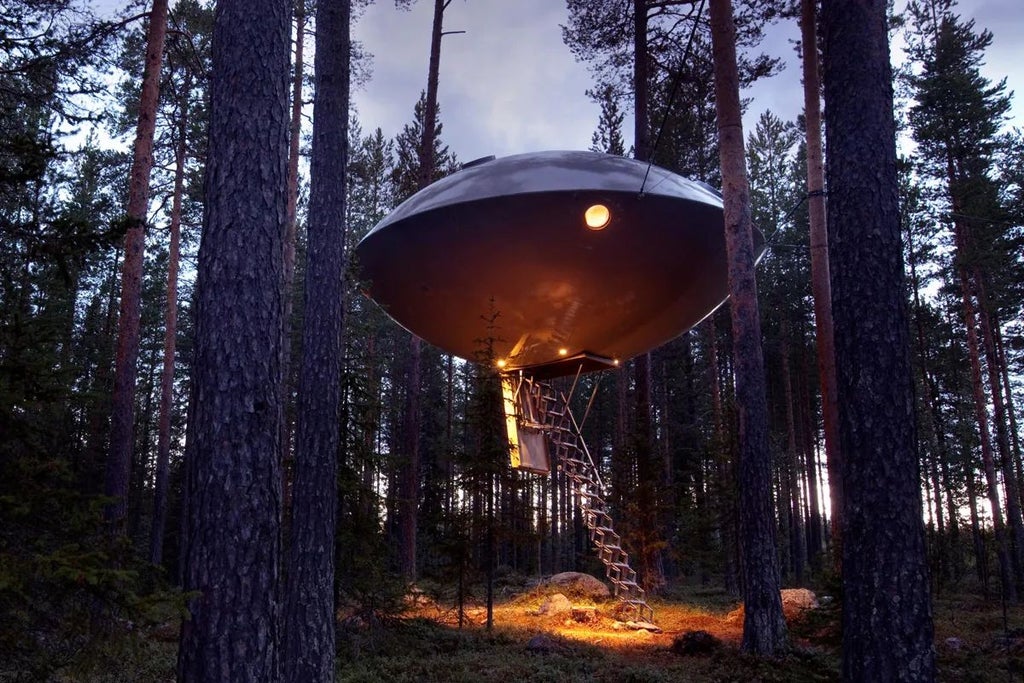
(93, 520)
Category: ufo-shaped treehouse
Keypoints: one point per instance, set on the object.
(534, 259)
(550, 264)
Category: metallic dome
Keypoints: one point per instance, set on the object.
(531, 260)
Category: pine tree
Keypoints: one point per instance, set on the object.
(233, 547)
(824, 328)
(186, 45)
(764, 629)
(955, 122)
(608, 136)
(309, 651)
(783, 280)
(123, 399)
(416, 170)
(883, 535)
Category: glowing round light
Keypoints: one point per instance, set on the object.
(563, 352)
(597, 217)
(501, 363)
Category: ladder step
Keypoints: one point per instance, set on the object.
(622, 573)
(570, 454)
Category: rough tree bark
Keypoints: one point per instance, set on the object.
(234, 471)
(122, 419)
(309, 651)
(764, 629)
(884, 638)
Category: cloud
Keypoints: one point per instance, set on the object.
(507, 85)
(510, 85)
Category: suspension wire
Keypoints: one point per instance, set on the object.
(671, 98)
(789, 214)
(768, 243)
(590, 403)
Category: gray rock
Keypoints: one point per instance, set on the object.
(581, 584)
(555, 604)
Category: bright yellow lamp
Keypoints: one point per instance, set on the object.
(597, 217)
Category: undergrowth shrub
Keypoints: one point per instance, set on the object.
(68, 587)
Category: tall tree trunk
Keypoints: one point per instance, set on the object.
(309, 652)
(1003, 553)
(641, 125)
(98, 411)
(953, 548)
(806, 441)
(947, 546)
(291, 230)
(122, 420)
(429, 134)
(820, 284)
(792, 466)
(977, 537)
(647, 470)
(234, 469)
(764, 629)
(410, 474)
(989, 329)
(142, 449)
(648, 477)
(1010, 411)
(939, 545)
(884, 553)
(170, 338)
(722, 464)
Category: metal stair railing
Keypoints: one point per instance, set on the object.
(571, 454)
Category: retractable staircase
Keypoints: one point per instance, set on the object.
(542, 406)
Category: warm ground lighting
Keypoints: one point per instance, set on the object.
(520, 615)
(426, 644)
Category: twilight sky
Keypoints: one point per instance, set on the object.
(510, 85)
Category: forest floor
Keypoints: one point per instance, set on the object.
(976, 641)
(973, 643)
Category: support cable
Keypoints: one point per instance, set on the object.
(672, 97)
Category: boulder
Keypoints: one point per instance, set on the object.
(796, 601)
(555, 604)
(581, 584)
